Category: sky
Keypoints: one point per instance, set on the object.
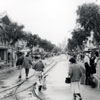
(50, 19)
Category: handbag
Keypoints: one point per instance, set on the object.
(67, 80)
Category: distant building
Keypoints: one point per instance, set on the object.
(5, 50)
(4, 18)
(21, 46)
(90, 42)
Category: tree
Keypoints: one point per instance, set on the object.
(46, 45)
(32, 40)
(12, 33)
(72, 44)
(56, 49)
(89, 19)
(78, 36)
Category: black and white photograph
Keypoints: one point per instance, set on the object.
(49, 49)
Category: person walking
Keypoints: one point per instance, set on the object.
(39, 69)
(39, 66)
(27, 63)
(75, 73)
(19, 64)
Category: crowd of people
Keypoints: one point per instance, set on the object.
(26, 62)
(81, 70)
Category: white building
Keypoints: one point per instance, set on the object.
(90, 42)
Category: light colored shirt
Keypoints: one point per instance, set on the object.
(86, 59)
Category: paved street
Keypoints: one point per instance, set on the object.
(56, 88)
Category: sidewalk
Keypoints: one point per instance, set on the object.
(89, 93)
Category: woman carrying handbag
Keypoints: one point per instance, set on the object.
(75, 74)
(67, 80)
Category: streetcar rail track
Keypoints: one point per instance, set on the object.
(15, 85)
(18, 85)
(33, 84)
(44, 74)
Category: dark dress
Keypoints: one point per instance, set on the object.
(88, 71)
(92, 65)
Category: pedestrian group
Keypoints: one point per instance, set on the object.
(81, 71)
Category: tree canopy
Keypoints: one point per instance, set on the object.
(78, 36)
(12, 32)
(46, 45)
(88, 19)
(32, 40)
